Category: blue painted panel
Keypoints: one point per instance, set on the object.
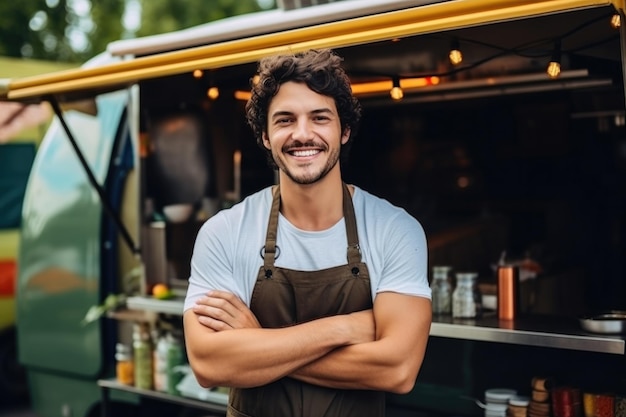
(59, 260)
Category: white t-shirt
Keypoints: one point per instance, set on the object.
(227, 252)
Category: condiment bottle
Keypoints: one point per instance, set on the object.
(160, 363)
(441, 290)
(466, 302)
(175, 358)
(142, 351)
(124, 369)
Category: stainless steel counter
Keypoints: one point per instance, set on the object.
(217, 406)
(543, 331)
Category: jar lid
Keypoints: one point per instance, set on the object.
(519, 401)
(466, 275)
(500, 395)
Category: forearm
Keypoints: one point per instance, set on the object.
(253, 356)
(363, 366)
(389, 363)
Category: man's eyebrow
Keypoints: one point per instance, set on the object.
(281, 113)
(322, 110)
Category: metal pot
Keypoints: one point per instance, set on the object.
(610, 322)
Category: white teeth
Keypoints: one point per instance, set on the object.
(305, 153)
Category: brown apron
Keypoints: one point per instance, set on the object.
(284, 297)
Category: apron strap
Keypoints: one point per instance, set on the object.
(269, 251)
(354, 250)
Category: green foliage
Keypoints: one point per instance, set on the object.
(98, 25)
(14, 18)
(112, 302)
(169, 15)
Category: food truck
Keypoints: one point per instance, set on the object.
(498, 124)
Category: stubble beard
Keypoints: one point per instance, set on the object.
(308, 177)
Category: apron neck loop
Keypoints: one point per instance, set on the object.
(270, 249)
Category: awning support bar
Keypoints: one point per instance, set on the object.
(92, 179)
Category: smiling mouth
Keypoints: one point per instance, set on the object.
(303, 153)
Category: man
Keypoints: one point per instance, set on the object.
(309, 298)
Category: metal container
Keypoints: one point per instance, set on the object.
(610, 322)
(508, 292)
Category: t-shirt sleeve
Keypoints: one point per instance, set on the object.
(405, 257)
(211, 267)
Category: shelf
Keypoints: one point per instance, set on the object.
(543, 331)
(217, 402)
(171, 306)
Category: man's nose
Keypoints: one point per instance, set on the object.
(303, 129)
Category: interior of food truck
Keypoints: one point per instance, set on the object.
(496, 158)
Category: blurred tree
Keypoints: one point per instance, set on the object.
(169, 15)
(14, 17)
(76, 30)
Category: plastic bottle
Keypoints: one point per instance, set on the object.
(124, 369)
(160, 363)
(175, 358)
(142, 352)
(441, 290)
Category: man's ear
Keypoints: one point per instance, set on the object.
(266, 141)
(345, 136)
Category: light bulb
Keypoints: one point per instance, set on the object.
(455, 55)
(396, 92)
(213, 93)
(198, 73)
(616, 21)
(554, 69)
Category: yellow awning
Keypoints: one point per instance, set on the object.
(413, 21)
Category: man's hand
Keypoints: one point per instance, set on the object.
(221, 310)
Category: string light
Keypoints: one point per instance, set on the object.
(554, 67)
(455, 55)
(396, 92)
(616, 21)
(197, 74)
(213, 93)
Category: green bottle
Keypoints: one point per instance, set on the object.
(142, 352)
(175, 358)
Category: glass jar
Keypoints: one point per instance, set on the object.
(124, 369)
(466, 301)
(441, 288)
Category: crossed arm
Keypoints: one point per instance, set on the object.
(379, 349)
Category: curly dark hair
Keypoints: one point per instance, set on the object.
(321, 71)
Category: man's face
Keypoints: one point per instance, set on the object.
(304, 133)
